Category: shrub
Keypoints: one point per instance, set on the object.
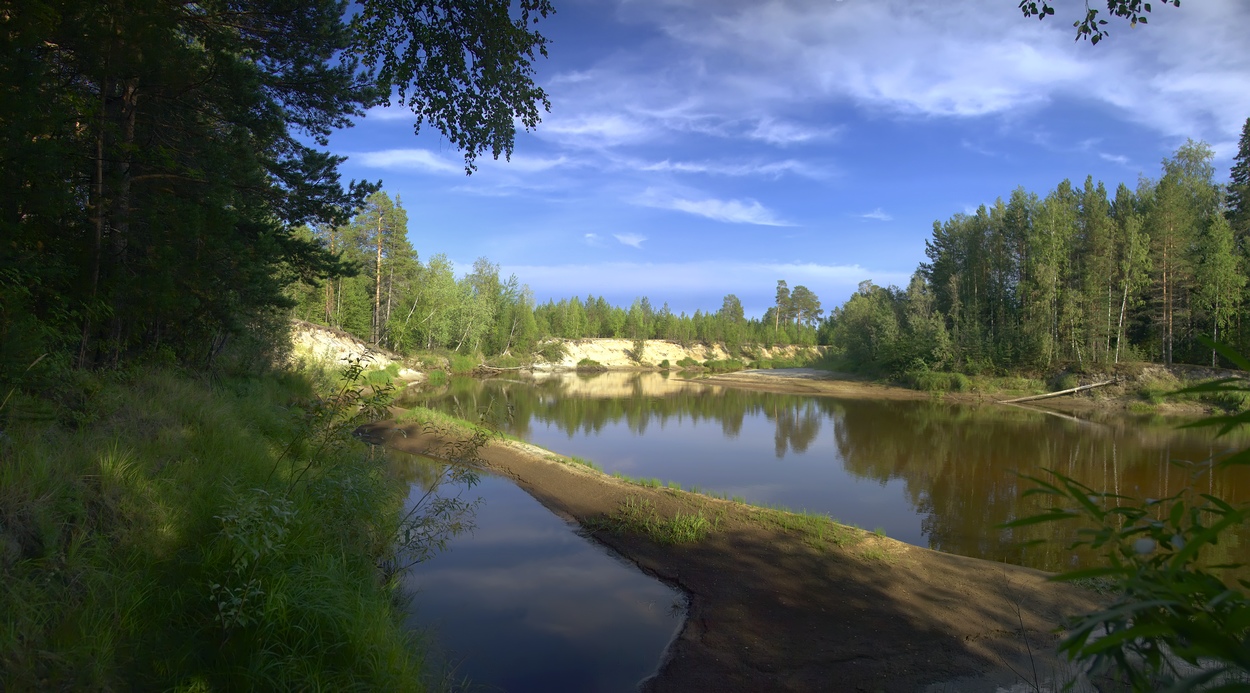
(687, 362)
(436, 377)
(591, 365)
(664, 365)
(553, 351)
(462, 363)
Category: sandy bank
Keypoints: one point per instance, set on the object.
(776, 607)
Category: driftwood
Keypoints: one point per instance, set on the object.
(484, 367)
(1069, 391)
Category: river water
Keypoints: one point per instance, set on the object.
(524, 603)
(925, 472)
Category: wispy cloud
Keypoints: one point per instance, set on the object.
(632, 240)
(1114, 158)
(771, 169)
(389, 113)
(409, 159)
(783, 133)
(592, 239)
(878, 214)
(595, 130)
(729, 211)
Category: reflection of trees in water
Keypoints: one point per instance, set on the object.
(961, 469)
(796, 426)
(959, 464)
(797, 418)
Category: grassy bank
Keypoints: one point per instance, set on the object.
(161, 532)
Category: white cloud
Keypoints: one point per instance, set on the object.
(877, 214)
(1187, 73)
(783, 133)
(389, 113)
(529, 164)
(771, 169)
(632, 240)
(1114, 158)
(594, 130)
(410, 159)
(728, 211)
(592, 239)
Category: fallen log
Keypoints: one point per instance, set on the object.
(1068, 391)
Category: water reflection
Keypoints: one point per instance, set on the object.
(929, 473)
(525, 604)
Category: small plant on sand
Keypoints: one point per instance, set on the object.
(639, 516)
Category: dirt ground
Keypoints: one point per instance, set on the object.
(770, 609)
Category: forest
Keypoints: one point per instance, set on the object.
(1079, 276)
(397, 301)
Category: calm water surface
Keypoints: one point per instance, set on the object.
(523, 603)
(928, 473)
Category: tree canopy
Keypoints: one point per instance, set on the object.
(160, 159)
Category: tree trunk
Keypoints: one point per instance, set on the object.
(93, 287)
(377, 284)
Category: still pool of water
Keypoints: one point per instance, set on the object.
(926, 472)
(523, 603)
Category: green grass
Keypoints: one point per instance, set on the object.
(436, 378)
(588, 364)
(583, 462)
(818, 531)
(639, 516)
(185, 536)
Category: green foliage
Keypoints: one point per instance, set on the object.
(226, 537)
(436, 378)
(590, 365)
(463, 363)
(723, 365)
(553, 351)
(1073, 279)
(687, 362)
(1170, 605)
(1092, 26)
(664, 365)
(937, 381)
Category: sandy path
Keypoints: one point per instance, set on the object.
(773, 609)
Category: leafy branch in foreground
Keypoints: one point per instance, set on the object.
(1177, 622)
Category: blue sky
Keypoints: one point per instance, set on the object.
(696, 148)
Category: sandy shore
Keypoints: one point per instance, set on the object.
(776, 607)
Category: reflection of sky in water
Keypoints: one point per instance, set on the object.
(698, 453)
(525, 604)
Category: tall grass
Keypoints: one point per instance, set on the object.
(176, 535)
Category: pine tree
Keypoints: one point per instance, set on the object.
(1238, 199)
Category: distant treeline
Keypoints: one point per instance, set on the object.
(1075, 277)
(406, 305)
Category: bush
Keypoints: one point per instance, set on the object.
(504, 361)
(553, 351)
(723, 365)
(664, 365)
(688, 362)
(461, 363)
(590, 365)
(436, 378)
